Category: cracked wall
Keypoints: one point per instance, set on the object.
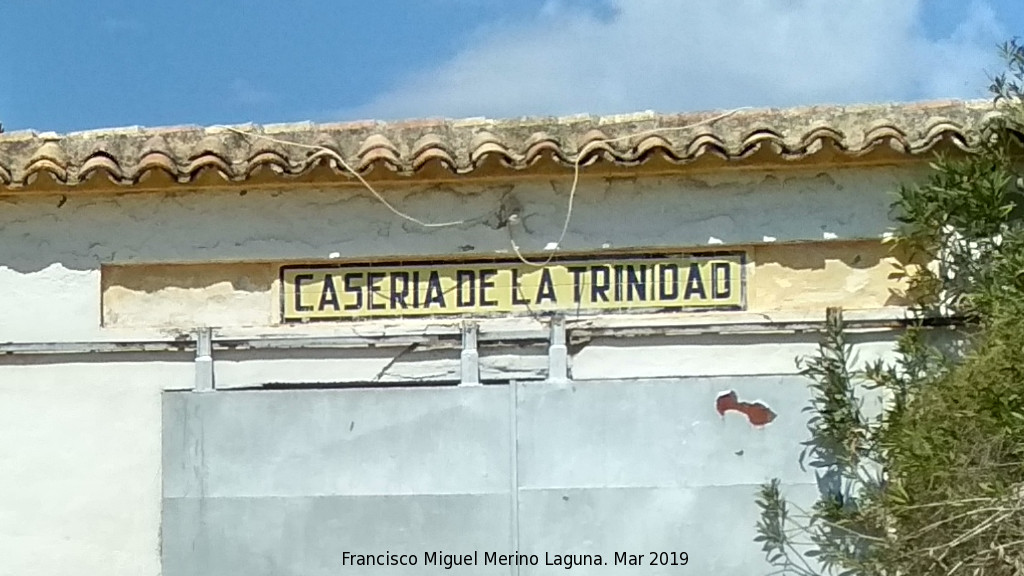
(790, 277)
(81, 436)
(51, 254)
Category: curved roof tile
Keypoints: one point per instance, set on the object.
(461, 147)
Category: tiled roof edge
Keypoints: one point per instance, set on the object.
(125, 156)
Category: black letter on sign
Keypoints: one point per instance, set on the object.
(517, 290)
(636, 283)
(599, 288)
(353, 289)
(486, 283)
(546, 290)
(399, 296)
(577, 282)
(465, 298)
(721, 281)
(695, 284)
(300, 279)
(373, 287)
(668, 289)
(329, 296)
(416, 289)
(434, 293)
(618, 283)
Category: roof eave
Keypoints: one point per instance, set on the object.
(136, 159)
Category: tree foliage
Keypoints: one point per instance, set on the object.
(934, 484)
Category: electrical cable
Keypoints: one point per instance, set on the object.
(576, 178)
(580, 156)
(334, 155)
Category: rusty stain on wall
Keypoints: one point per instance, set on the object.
(756, 412)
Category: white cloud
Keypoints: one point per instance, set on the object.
(679, 55)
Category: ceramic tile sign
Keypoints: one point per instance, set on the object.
(580, 285)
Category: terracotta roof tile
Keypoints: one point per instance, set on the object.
(126, 156)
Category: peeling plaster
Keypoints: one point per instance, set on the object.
(67, 245)
(50, 258)
(309, 224)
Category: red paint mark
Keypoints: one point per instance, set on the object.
(757, 413)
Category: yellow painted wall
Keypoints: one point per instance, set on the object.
(188, 295)
(814, 276)
(784, 277)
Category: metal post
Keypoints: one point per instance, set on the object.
(558, 352)
(204, 360)
(513, 389)
(470, 355)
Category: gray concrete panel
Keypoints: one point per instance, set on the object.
(284, 482)
(714, 525)
(337, 442)
(665, 433)
(308, 536)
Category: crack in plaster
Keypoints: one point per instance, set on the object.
(405, 352)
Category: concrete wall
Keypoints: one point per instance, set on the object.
(80, 436)
(270, 483)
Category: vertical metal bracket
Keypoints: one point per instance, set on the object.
(558, 352)
(470, 355)
(204, 360)
(513, 405)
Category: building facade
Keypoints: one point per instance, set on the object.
(274, 349)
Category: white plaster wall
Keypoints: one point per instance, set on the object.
(362, 366)
(713, 355)
(52, 247)
(80, 472)
(707, 355)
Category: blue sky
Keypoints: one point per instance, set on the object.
(70, 65)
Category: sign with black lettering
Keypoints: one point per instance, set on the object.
(635, 283)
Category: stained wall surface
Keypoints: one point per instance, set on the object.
(285, 482)
(54, 247)
(84, 446)
(290, 477)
